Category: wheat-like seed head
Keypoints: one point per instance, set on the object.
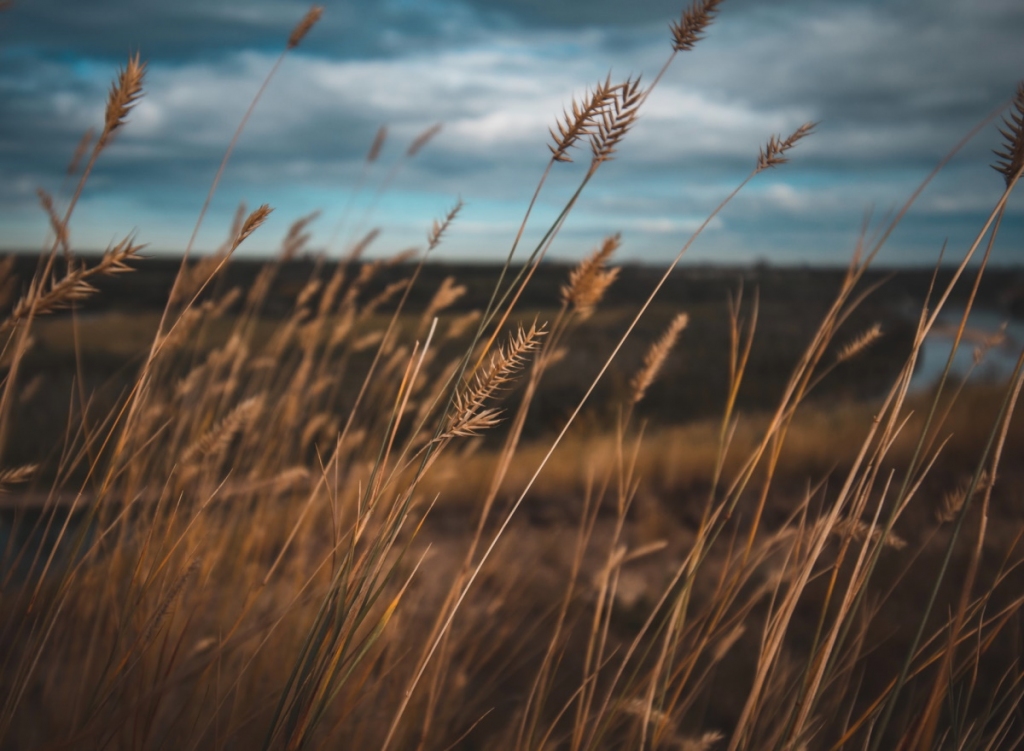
(222, 306)
(689, 29)
(296, 238)
(215, 441)
(447, 294)
(46, 295)
(115, 258)
(331, 290)
(460, 325)
(124, 94)
(422, 140)
(661, 721)
(438, 228)
(656, 355)
(581, 121)
(252, 223)
(470, 416)
(860, 343)
(302, 27)
(383, 297)
(366, 341)
(16, 476)
(705, 742)
(357, 250)
(615, 120)
(402, 256)
(591, 278)
(859, 531)
(377, 145)
(1011, 158)
(314, 428)
(954, 500)
(774, 153)
(307, 292)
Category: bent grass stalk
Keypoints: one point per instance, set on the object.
(561, 435)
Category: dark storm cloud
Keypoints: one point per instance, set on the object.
(894, 84)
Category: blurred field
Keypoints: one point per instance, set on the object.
(667, 458)
(693, 386)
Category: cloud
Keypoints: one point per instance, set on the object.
(894, 84)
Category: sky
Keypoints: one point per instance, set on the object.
(894, 85)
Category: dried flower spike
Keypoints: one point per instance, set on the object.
(581, 121)
(1011, 158)
(470, 414)
(438, 228)
(862, 342)
(302, 28)
(377, 145)
(16, 476)
(124, 94)
(656, 357)
(615, 120)
(591, 278)
(689, 29)
(953, 501)
(774, 153)
(423, 139)
(252, 223)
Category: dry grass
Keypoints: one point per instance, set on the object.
(239, 554)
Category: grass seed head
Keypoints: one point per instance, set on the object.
(591, 278)
(615, 120)
(656, 357)
(689, 29)
(1010, 160)
(858, 345)
(377, 145)
(124, 94)
(16, 476)
(581, 121)
(470, 415)
(252, 223)
(774, 153)
(438, 228)
(302, 28)
(422, 140)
